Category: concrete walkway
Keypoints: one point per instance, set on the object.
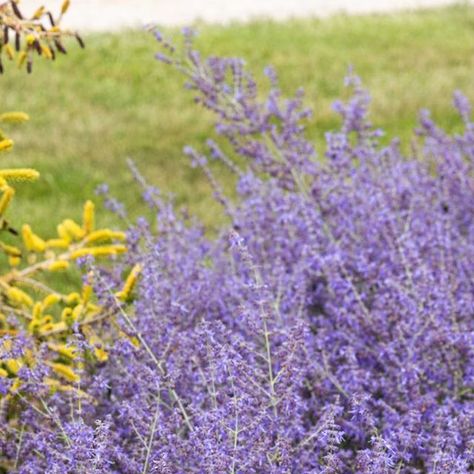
(115, 14)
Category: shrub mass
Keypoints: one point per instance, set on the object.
(328, 328)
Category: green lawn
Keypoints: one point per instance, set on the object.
(93, 109)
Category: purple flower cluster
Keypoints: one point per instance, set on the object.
(328, 328)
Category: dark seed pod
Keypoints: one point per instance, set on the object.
(1, 67)
(60, 47)
(12, 231)
(17, 41)
(51, 19)
(37, 47)
(53, 54)
(4, 225)
(29, 66)
(16, 10)
(80, 41)
(5, 35)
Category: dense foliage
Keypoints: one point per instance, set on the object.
(329, 328)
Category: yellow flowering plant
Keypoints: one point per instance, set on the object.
(28, 303)
(52, 319)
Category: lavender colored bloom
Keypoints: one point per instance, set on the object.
(327, 328)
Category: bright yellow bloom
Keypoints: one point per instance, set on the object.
(130, 282)
(9, 51)
(106, 251)
(19, 297)
(6, 199)
(65, 6)
(73, 298)
(19, 174)
(14, 261)
(51, 300)
(64, 350)
(32, 242)
(13, 365)
(65, 371)
(88, 217)
(14, 117)
(10, 250)
(6, 144)
(73, 229)
(104, 235)
(58, 266)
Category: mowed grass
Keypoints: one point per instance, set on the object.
(93, 109)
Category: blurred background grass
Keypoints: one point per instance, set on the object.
(94, 108)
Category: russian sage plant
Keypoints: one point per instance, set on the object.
(328, 328)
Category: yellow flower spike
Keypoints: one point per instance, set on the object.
(39, 13)
(22, 58)
(67, 351)
(6, 199)
(87, 289)
(30, 39)
(37, 312)
(32, 242)
(106, 251)
(53, 328)
(130, 283)
(58, 243)
(29, 357)
(93, 308)
(101, 355)
(15, 385)
(46, 51)
(50, 300)
(56, 385)
(63, 234)
(3, 373)
(6, 144)
(65, 371)
(73, 229)
(19, 174)
(88, 217)
(19, 297)
(58, 266)
(66, 315)
(65, 6)
(14, 261)
(14, 117)
(9, 52)
(77, 312)
(86, 293)
(73, 298)
(104, 235)
(13, 365)
(33, 326)
(27, 233)
(10, 250)
(99, 352)
(46, 320)
(7, 346)
(45, 329)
